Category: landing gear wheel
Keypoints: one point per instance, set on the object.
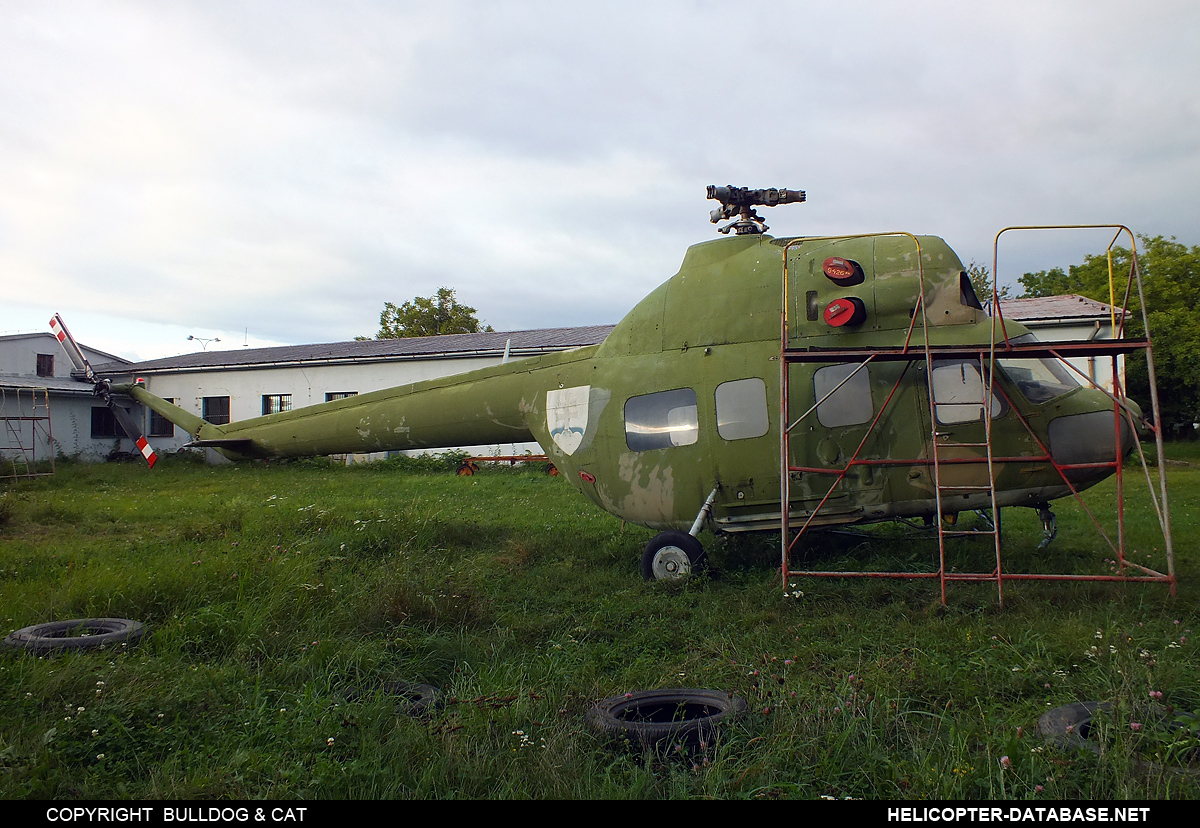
(673, 556)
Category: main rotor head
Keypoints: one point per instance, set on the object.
(741, 201)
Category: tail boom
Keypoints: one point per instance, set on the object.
(479, 407)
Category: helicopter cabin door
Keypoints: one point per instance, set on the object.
(958, 387)
(837, 436)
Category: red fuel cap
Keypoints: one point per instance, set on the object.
(842, 272)
(848, 310)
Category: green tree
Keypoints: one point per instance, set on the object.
(1171, 280)
(981, 280)
(431, 316)
(1053, 282)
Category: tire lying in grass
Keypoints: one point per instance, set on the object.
(651, 718)
(1069, 726)
(413, 699)
(77, 634)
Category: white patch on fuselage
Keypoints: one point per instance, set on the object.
(651, 497)
(567, 416)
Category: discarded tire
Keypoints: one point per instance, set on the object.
(1069, 726)
(77, 634)
(656, 718)
(413, 699)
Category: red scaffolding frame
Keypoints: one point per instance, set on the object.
(26, 416)
(984, 355)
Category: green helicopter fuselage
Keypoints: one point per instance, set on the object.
(683, 397)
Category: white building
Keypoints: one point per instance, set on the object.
(44, 412)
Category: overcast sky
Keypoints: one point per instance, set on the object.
(285, 168)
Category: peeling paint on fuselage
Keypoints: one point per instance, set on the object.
(648, 498)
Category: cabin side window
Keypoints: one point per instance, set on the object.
(850, 404)
(742, 409)
(661, 420)
(958, 392)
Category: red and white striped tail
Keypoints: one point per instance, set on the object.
(147, 451)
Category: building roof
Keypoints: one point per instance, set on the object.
(450, 346)
(59, 385)
(1067, 308)
(50, 336)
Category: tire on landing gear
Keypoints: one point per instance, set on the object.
(673, 556)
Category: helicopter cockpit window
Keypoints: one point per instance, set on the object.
(1039, 380)
(958, 392)
(661, 420)
(848, 405)
(742, 409)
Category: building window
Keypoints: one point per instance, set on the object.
(45, 365)
(104, 424)
(215, 410)
(661, 420)
(742, 409)
(274, 403)
(330, 396)
(160, 426)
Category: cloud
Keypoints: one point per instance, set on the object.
(288, 167)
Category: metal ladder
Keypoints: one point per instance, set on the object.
(943, 490)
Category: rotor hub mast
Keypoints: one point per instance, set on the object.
(741, 201)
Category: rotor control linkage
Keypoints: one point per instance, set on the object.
(741, 201)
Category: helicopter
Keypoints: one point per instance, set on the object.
(676, 420)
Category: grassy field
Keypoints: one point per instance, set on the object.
(283, 598)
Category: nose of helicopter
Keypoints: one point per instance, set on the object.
(1091, 440)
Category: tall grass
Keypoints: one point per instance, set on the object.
(283, 599)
